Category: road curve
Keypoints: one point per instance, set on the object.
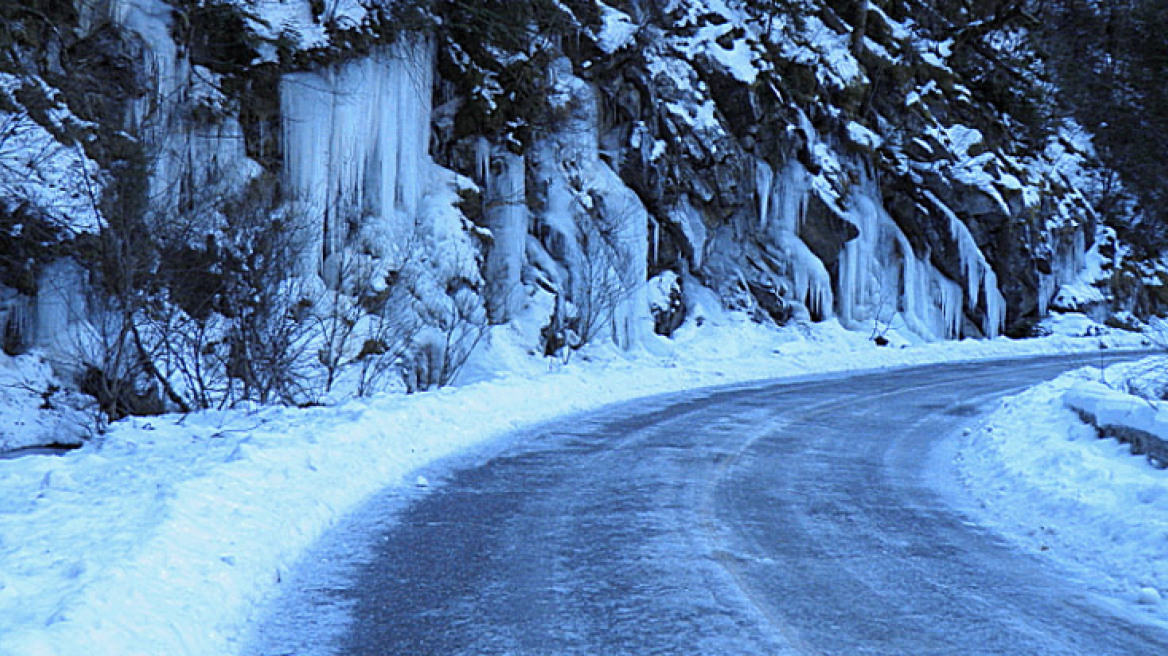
(785, 518)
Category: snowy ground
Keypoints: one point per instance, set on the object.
(1038, 474)
(36, 409)
(165, 535)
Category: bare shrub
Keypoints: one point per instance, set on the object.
(450, 334)
(602, 275)
(364, 324)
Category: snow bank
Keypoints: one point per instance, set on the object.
(1035, 472)
(1131, 419)
(28, 386)
(165, 536)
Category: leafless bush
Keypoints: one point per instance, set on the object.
(449, 337)
(603, 274)
(212, 299)
(362, 325)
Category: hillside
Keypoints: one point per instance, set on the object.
(207, 202)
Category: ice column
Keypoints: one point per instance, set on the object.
(506, 213)
(782, 206)
(862, 271)
(356, 146)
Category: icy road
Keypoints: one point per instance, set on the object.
(790, 518)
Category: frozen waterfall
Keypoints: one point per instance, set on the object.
(782, 207)
(502, 175)
(356, 146)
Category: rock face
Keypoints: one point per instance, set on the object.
(423, 169)
(842, 157)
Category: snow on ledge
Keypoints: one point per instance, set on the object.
(618, 31)
(1131, 419)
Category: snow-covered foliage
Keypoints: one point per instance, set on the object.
(43, 174)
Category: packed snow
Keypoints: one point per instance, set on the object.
(1037, 473)
(165, 535)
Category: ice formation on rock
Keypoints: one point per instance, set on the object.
(782, 207)
(599, 226)
(60, 306)
(356, 144)
(190, 163)
(693, 228)
(881, 275)
(931, 302)
(504, 185)
(979, 275)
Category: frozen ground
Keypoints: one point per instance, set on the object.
(1036, 473)
(163, 536)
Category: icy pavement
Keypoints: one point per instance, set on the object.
(163, 536)
(757, 519)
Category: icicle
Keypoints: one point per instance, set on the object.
(764, 179)
(1070, 258)
(356, 144)
(932, 303)
(17, 316)
(483, 160)
(689, 219)
(624, 211)
(973, 263)
(950, 295)
(859, 263)
(782, 211)
(791, 192)
(915, 294)
(1080, 250)
(979, 275)
(811, 280)
(995, 314)
(1047, 286)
